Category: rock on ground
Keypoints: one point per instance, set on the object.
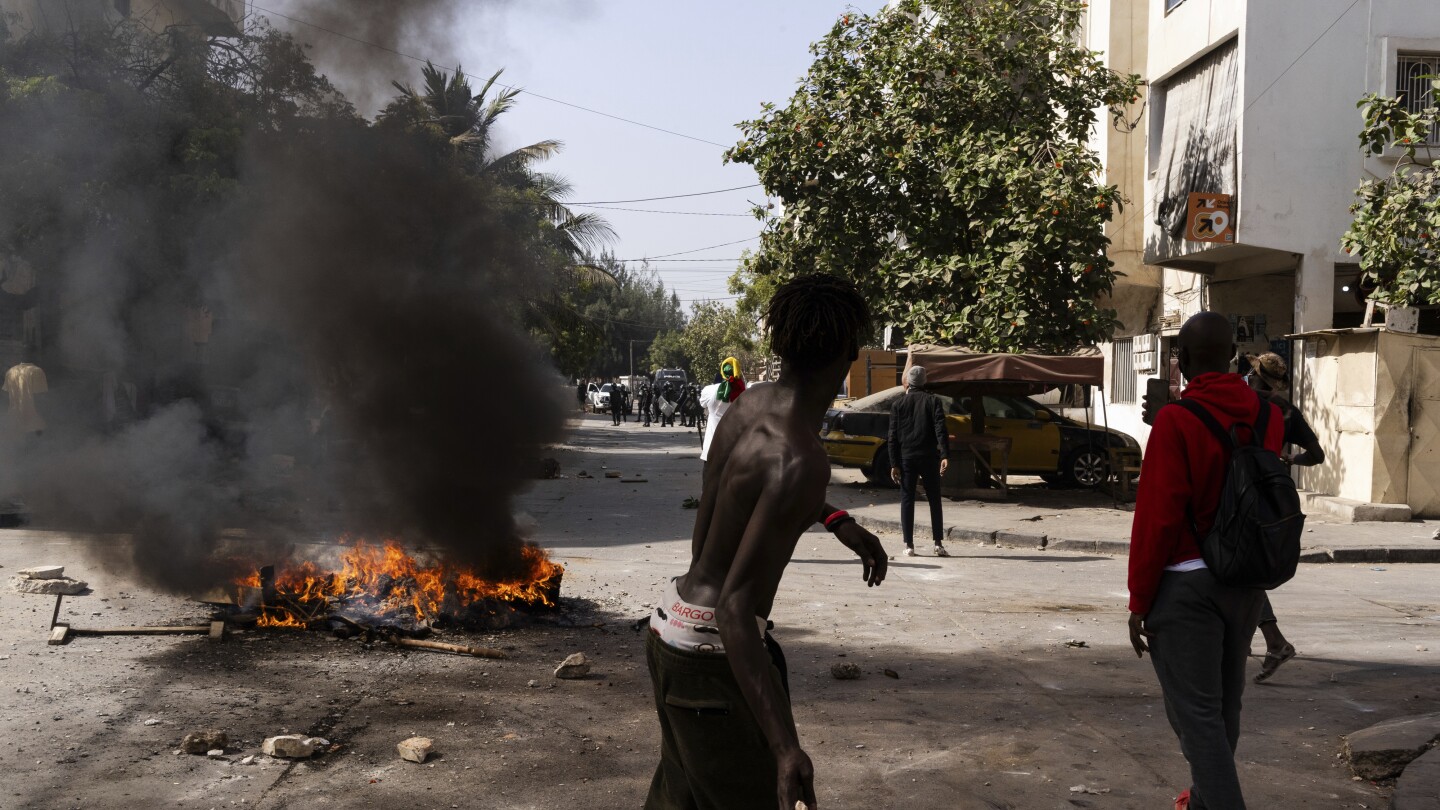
(1419, 785)
(292, 746)
(202, 742)
(415, 749)
(573, 667)
(42, 572)
(845, 671)
(50, 587)
(1383, 750)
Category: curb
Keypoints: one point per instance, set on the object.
(1005, 538)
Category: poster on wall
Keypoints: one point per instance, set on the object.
(1209, 218)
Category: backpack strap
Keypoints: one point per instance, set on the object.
(1208, 419)
(1262, 422)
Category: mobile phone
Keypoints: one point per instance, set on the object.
(1157, 390)
(1157, 393)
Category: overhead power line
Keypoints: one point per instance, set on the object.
(669, 197)
(655, 211)
(411, 57)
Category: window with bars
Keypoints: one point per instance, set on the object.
(1413, 73)
(1122, 372)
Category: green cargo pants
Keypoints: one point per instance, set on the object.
(713, 755)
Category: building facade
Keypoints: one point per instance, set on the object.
(1251, 161)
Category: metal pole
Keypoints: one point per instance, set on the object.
(632, 358)
(868, 388)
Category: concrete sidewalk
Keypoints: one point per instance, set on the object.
(1079, 520)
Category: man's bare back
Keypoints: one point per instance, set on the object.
(759, 448)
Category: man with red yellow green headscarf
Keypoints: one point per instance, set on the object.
(716, 399)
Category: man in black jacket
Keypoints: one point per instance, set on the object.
(919, 451)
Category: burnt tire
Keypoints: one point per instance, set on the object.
(1087, 468)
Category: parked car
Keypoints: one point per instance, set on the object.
(1044, 443)
(600, 397)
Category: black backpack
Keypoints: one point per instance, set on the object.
(1255, 542)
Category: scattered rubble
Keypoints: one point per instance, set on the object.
(1383, 750)
(249, 760)
(1075, 642)
(612, 474)
(1089, 790)
(690, 503)
(415, 749)
(890, 673)
(215, 753)
(202, 742)
(573, 668)
(152, 722)
(845, 671)
(50, 587)
(42, 572)
(549, 468)
(292, 746)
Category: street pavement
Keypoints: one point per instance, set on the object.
(1016, 687)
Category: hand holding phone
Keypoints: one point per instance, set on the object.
(1157, 394)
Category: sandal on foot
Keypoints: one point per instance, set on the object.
(1273, 661)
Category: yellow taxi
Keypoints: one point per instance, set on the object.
(1043, 442)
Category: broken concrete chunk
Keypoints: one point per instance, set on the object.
(202, 742)
(215, 753)
(574, 667)
(292, 746)
(1419, 785)
(1383, 750)
(845, 671)
(249, 760)
(415, 749)
(50, 587)
(42, 572)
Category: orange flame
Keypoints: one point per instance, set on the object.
(390, 574)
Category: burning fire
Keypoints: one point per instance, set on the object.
(387, 580)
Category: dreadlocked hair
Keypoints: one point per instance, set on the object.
(814, 319)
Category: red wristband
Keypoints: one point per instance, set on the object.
(836, 516)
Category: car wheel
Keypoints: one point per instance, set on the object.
(1087, 467)
(878, 473)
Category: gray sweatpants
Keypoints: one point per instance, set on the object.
(1202, 633)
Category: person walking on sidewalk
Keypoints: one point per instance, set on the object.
(1197, 630)
(920, 451)
(1269, 377)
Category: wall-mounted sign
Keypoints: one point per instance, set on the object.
(1209, 218)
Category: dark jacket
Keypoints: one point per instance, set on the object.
(917, 427)
(1182, 477)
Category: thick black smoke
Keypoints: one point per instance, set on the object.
(333, 352)
(428, 29)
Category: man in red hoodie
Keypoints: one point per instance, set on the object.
(1198, 630)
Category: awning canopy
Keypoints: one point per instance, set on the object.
(952, 369)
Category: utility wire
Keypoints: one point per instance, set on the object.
(1308, 48)
(654, 211)
(695, 250)
(670, 197)
(481, 78)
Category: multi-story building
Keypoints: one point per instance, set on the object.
(1252, 107)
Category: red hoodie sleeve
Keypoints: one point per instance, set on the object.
(1161, 509)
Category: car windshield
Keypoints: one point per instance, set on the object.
(605, 389)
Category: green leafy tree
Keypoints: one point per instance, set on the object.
(1397, 218)
(935, 153)
(713, 332)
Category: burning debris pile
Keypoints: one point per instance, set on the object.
(387, 590)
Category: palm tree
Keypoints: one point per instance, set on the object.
(449, 109)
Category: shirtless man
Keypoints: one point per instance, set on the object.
(728, 737)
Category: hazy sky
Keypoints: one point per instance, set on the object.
(690, 67)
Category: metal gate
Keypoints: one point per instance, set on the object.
(1424, 479)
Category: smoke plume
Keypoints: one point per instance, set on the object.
(333, 352)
